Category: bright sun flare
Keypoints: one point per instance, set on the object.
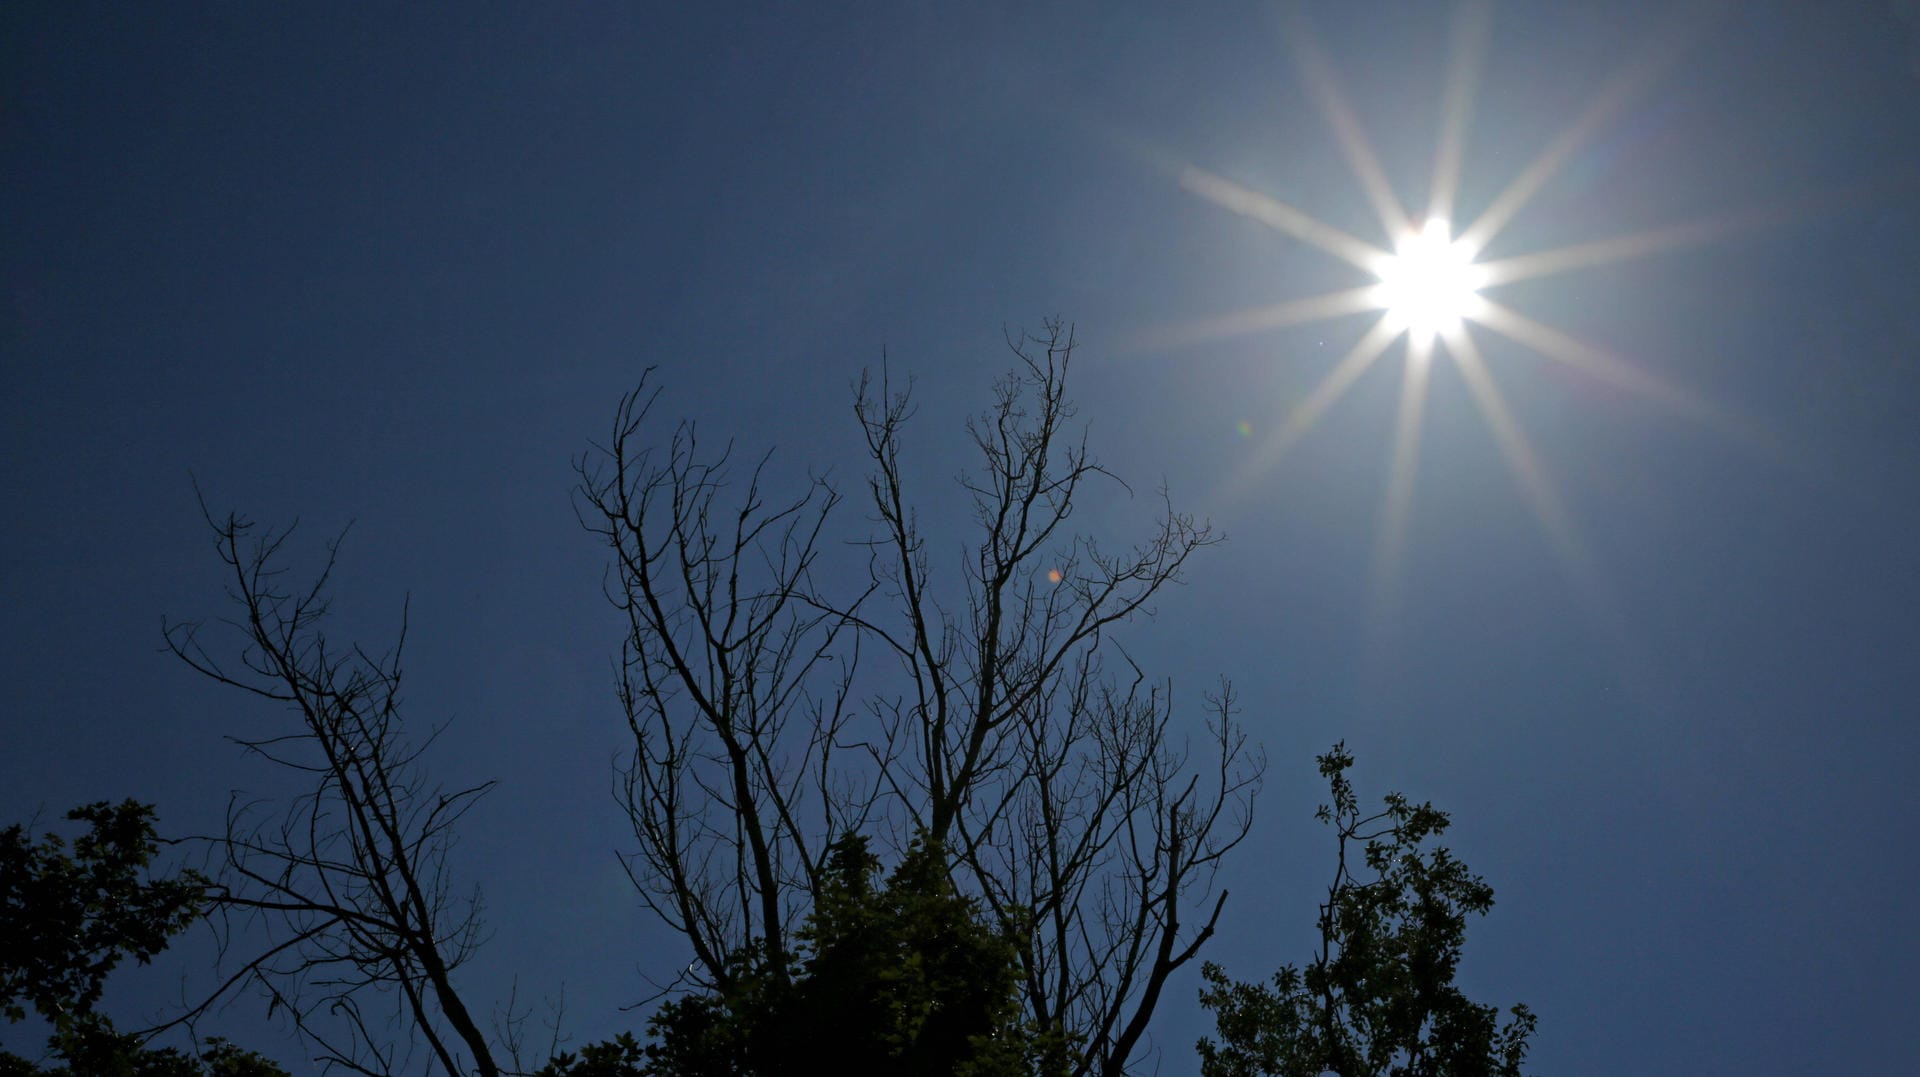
(1429, 287)
(1430, 283)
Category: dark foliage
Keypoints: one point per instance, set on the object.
(1378, 1000)
(905, 978)
(67, 918)
(95, 1050)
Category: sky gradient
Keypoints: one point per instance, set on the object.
(394, 264)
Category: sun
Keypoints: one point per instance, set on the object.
(1430, 284)
(1429, 288)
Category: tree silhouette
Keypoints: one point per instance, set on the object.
(1378, 1000)
(67, 919)
(348, 879)
(901, 978)
(936, 822)
(1005, 728)
(1005, 731)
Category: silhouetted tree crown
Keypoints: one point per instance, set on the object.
(900, 978)
(1378, 999)
(925, 816)
(978, 703)
(68, 918)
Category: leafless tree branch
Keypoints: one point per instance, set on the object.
(349, 880)
(1065, 794)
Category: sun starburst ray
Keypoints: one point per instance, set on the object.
(1603, 251)
(1618, 372)
(1389, 551)
(1456, 104)
(1276, 214)
(1614, 96)
(1324, 85)
(1255, 319)
(1535, 487)
(1324, 395)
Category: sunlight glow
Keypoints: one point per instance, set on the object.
(1429, 287)
(1430, 284)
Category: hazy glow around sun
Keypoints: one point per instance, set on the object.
(1430, 283)
(1429, 287)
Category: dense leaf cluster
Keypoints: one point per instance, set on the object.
(901, 978)
(68, 918)
(1379, 999)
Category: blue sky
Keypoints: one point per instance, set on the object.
(395, 264)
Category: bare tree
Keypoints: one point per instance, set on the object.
(348, 882)
(1063, 793)
(735, 685)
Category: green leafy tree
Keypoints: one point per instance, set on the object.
(67, 919)
(902, 978)
(1378, 1000)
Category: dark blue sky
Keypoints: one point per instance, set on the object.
(394, 264)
